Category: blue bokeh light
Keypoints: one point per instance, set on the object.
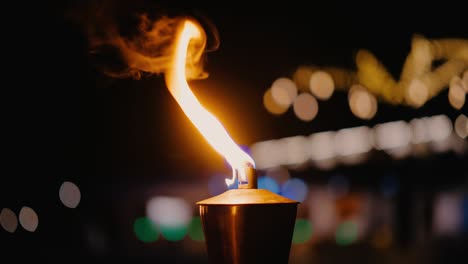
(268, 183)
(295, 189)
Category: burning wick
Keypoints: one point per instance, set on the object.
(190, 42)
(249, 176)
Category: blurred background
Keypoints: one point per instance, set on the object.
(110, 169)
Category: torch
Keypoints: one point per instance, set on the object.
(248, 225)
(244, 225)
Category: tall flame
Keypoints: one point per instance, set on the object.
(190, 37)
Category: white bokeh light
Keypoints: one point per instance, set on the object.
(28, 219)
(305, 107)
(69, 194)
(283, 91)
(8, 220)
(321, 85)
(169, 211)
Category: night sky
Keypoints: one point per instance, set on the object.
(67, 120)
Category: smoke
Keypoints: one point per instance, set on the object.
(135, 38)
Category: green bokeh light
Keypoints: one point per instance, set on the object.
(145, 230)
(302, 231)
(196, 229)
(173, 233)
(346, 233)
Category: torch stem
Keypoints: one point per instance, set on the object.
(250, 177)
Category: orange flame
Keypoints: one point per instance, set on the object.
(190, 37)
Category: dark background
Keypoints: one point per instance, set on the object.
(114, 138)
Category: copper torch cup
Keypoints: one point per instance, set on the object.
(248, 225)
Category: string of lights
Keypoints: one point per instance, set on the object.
(371, 82)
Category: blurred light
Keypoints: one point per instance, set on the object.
(465, 213)
(417, 93)
(362, 103)
(392, 135)
(28, 219)
(305, 107)
(322, 211)
(420, 134)
(465, 80)
(338, 186)
(346, 233)
(145, 230)
(321, 146)
(195, 231)
(8, 220)
(302, 231)
(171, 214)
(326, 164)
(461, 126)
(321, 85)
(295, 189)
(383, 238)
(351, 141)
(447, 219)
(271, 105)
(69, 194)
(293, 150)
(283, 91)
(302, 77)
(456, 93)
(439, 127)
(173, 233)
(268, 183)
(267, 154)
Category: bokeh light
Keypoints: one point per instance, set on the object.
(295, 189)
(461, 126)
(173, 233)
(271, 106)
(362, 103)
(456, 93)
(305, 107)
(322, 85)
(302, 231)
(28, 219)
(417, 93)
(351, 141)
(302, 77)
(448, 214)
(293, 150)
(195, 230)
(321, 146)
(346, 233)
(8, 220)
(69, 194)
(465, 80)
(420, 134)
(439, 127)
(283, 91)
(392, 135)
(267, 183)
(145, 230)
(171, 214)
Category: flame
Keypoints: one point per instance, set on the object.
(190, 41)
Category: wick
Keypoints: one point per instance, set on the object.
(249, 178)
